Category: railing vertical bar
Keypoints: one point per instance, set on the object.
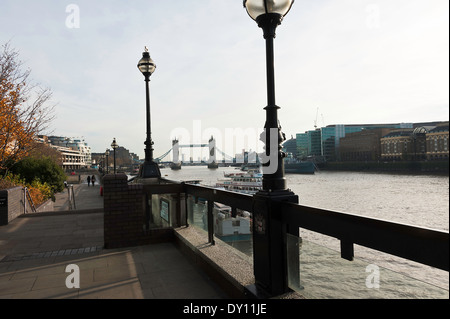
(186, 213)
(178, 212)
(73, 195)
(24, 200)
(210, 222)
(33, 208)
(69, 197)
(347, 250)
(293, 257)
(69, 194)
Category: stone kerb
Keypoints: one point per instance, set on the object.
(124, 211)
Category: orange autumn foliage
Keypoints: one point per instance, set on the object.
(15, 139)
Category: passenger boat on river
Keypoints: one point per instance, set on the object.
(248, 182)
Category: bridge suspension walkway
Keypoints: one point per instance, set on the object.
(225, 156)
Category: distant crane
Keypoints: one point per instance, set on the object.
(315, 121)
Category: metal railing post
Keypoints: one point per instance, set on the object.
(211, 222)
(24, 200)
(69, 197)
(269, 244)
(73, 197)
(293, 256)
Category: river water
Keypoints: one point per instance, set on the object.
(419, 200)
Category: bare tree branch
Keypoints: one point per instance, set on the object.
(25, 109)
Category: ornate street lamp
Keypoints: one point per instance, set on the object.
(269, 249)
(107, 165)
(149, 168)
(269, 14)
(114, 145)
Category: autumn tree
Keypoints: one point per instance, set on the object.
(25, 111)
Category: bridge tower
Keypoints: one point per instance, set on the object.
(176, 164)
(212, 163)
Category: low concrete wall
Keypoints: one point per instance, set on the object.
(11, 205)
(46, 206)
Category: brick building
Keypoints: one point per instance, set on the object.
(437, 143)
(362, 146)
(422, 143)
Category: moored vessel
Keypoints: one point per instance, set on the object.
(243, 182)
(299, 167)
(229, 228)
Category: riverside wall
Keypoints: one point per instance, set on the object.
(430, 167)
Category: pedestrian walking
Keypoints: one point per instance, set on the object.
(89, 181)
(93, 180)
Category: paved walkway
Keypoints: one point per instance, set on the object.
(86, 197)
(36, 249)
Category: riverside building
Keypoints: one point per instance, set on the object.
(324, 142)
(75, 153)
(374, 142)
(437, 143)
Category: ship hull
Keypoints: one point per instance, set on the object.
(299, 168)
(213, 165)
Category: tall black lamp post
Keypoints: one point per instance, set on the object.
(149, 168)
(107, 165)
(114, 145)
(269, 14)
(269, 233)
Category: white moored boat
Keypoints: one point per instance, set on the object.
(229, 228)
(244, 182)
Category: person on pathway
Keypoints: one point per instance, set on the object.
(89, 181)
(93, 180)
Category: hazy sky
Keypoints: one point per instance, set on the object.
(357, 61)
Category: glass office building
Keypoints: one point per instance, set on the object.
(302, 145)
(328, 142)
(325, 141)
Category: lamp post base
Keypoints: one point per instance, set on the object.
(269, 247)
(149, 170)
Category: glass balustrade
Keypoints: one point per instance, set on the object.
(318, 272)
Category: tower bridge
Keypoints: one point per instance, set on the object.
(212, 161)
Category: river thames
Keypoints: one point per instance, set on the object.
(419, 200)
